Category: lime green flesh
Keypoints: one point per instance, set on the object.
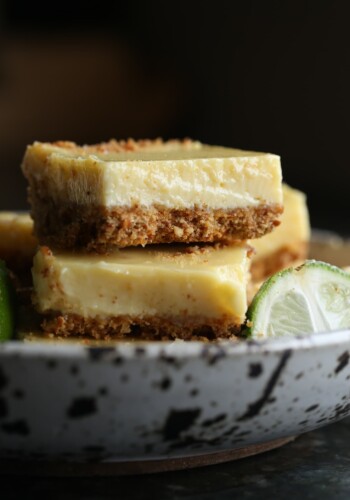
(7, 315)
(312, 298)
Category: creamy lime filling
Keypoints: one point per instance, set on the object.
(177, 177)
(142, 282)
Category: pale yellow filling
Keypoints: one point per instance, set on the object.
(174, 176)
(293, 231)
(141, 282)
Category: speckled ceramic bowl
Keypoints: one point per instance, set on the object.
(146, 402)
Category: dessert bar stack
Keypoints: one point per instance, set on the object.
(147, 239)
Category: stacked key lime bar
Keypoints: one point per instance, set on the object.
(147, 238)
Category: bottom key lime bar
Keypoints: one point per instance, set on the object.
(158, 293)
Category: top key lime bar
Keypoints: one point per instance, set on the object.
(131, 193)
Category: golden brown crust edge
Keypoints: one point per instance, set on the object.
(98, 228)
(123, 146)
(146, 328)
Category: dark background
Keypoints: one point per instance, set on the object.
(264, 75)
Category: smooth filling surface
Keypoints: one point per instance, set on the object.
(177, 177)
(208, 283)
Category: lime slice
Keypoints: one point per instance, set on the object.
(7, 314)
(314, 297)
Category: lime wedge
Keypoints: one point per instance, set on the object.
(7, 310)
(314, 297)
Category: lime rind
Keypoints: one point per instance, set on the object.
(311, 298)
(7, 305)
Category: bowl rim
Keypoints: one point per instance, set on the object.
(177, 350)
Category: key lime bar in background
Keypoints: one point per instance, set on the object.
(17, 243)
(135, 193)
(152, 293)
(288, 244)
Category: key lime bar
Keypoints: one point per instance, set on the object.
(288, 244)
(17, 243)
(135, 193)
(162, 292)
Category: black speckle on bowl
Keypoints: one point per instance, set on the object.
(82, 407)
(18, 427)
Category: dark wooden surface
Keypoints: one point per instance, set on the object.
(315, 466)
